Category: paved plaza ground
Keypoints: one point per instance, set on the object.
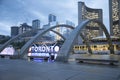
(25, 70)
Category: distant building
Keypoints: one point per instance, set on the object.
(36, 24)
(67, 31)
(114, 11)
(51, 18)
(14, 31)
(24, 27)
(51, 22)
(92, 29)
(46, 26)
(70, 23)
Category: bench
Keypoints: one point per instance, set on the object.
(98, 58)
(111, 61)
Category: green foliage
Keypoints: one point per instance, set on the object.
(18, 45)
(4, 39)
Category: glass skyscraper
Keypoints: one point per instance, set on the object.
(36, 24)
(14, 31)
(51, 18)
(114, 10)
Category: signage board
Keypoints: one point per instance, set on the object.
(43, 50)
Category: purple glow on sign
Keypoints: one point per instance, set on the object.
(39, 54)
(43, 51)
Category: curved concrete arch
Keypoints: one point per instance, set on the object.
(38, 36)
(66, 48)
(11, 40)
(82, 36)
(59, 34)
(14, 38)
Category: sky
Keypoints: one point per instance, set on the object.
(16, 12)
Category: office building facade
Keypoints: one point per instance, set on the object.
(14, 31)
(99, 45)
(36, 24)
(52, 21)
(92, 29)
(51, 18)
(24, 27)
(114, 10)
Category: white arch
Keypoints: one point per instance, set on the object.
(24, 49)
(14, 38)
(69, 42)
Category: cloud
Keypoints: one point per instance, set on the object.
(38, 15)
(4, 28)
(19, 11)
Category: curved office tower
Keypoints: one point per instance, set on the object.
(92, 30)
(114, 10)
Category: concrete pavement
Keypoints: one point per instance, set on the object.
(24, 70)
